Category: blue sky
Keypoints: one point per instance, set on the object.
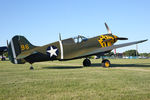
(40, 21)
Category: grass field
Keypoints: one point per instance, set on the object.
(126, 80)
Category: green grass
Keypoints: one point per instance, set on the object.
(126, 80)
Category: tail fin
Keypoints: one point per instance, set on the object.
(17, 45)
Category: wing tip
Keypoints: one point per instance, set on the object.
(142, 41)
(145, 40)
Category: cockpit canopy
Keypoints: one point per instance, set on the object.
(79, 39)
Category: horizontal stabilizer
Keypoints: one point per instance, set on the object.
(25, 54)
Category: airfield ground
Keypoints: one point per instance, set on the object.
(126, 80)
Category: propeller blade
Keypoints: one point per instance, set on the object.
(108, 30)
(122, 38)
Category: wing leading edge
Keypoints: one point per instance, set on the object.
(105, 49)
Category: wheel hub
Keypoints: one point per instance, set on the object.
(107, 64)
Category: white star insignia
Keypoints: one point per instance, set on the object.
(52, 51)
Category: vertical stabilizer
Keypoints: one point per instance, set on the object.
(17, 45)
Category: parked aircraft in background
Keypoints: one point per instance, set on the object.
(3, 49)
(20, 50)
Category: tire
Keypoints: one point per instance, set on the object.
(86, 62)
(3, 59)
(106, 63)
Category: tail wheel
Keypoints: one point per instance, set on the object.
(106, 63)
(31, 67)
(86, 62)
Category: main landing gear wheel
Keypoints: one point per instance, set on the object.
(86, 62)
(3, 59)
(106, 63)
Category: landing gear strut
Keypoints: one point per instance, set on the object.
(106, 63)
(86, 62)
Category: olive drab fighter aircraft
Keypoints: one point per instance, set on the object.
(20, 50)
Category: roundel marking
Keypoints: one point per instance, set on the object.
(52, 51)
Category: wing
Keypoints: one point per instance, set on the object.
(105, 49)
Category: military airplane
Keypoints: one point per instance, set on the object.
(20, 50)
(3, 49)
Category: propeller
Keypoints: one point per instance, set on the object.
(109, 32)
